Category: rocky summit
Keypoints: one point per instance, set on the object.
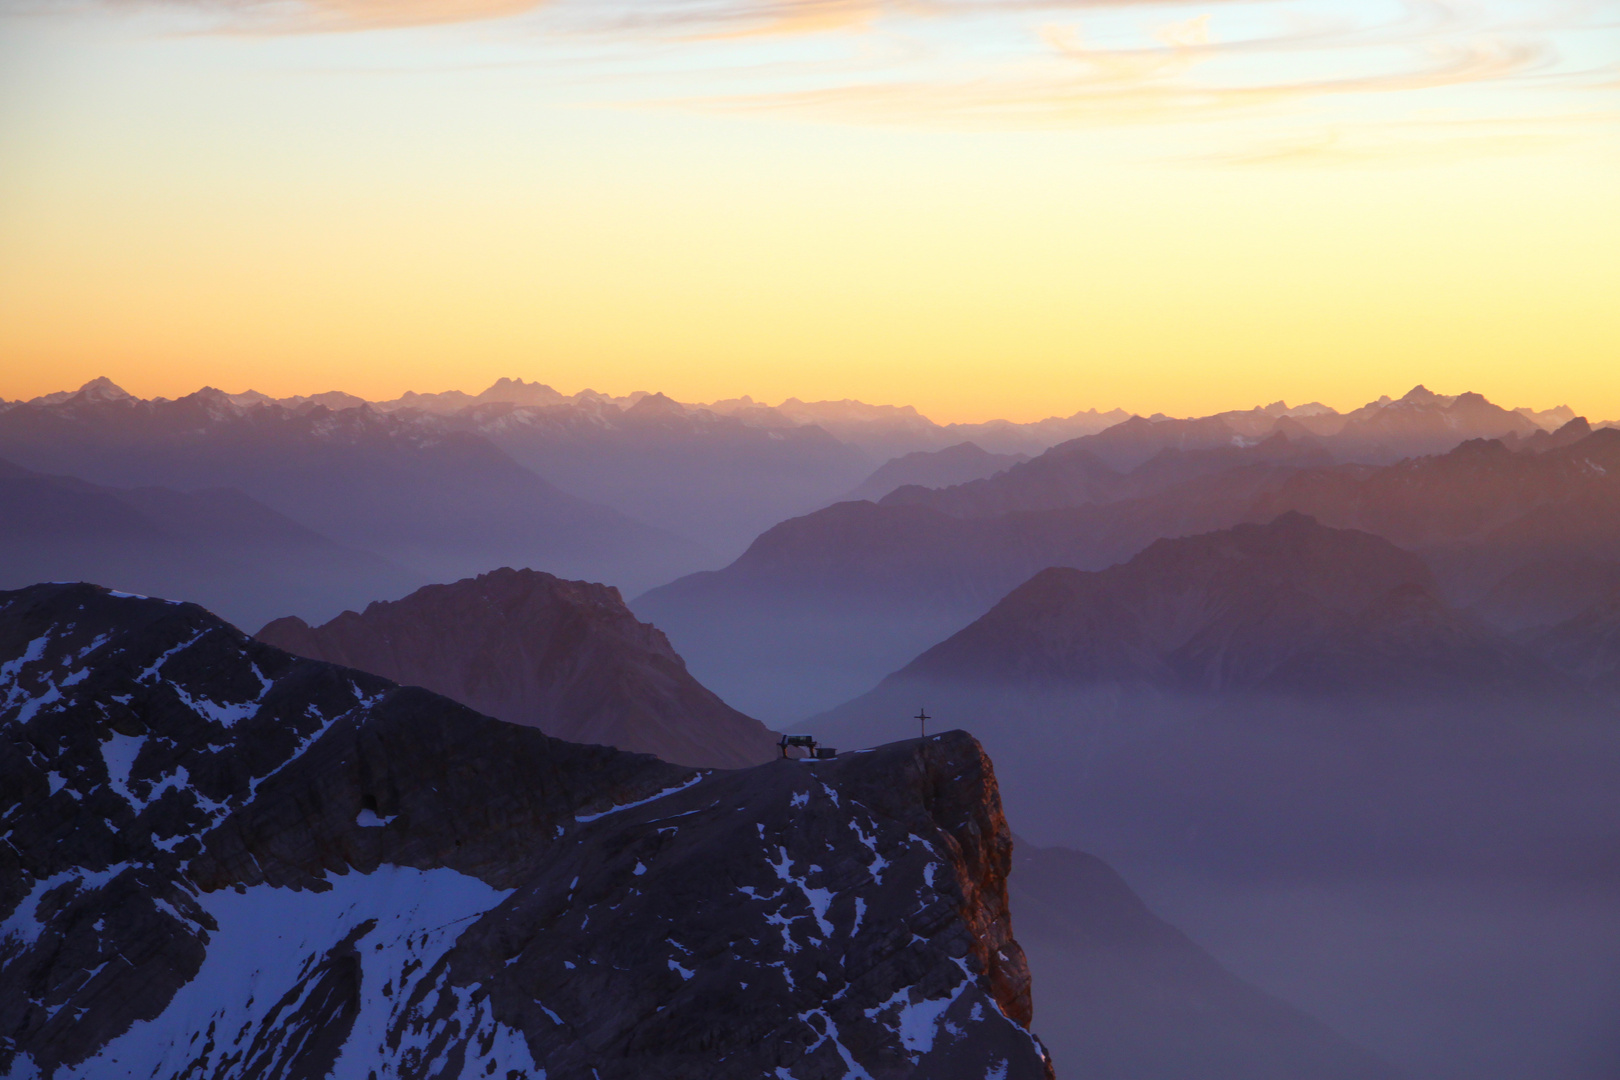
(222, 860)
(565, 656)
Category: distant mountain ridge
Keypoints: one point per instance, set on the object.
(566, 657)
(440, 502)
(216, 546)
(1290, 606)
(959, 464)
(1522, 537)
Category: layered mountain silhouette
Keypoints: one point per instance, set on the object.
(1077, 473)
(441, 503)
(217, 547)
(713, 478)
(224, 859)
(959, 464)
(566, 657)
(821, 607)
(1523, 538)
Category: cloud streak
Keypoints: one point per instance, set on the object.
(1105, 87)
(1013, 63)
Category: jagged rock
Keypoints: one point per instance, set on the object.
(222, 860)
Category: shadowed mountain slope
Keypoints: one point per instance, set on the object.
(217, 547)
(566, 657)
(1588, 646)
(223, 859)
(1133, 998)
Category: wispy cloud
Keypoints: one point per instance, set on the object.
(1416, 141)
(1111, 88)
(1034, 63)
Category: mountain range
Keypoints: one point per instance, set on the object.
(1335, 692)
(1523, 535)
(566, 657)
(638, 490)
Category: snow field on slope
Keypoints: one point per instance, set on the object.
(269, 938)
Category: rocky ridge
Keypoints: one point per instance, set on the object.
(221, 859)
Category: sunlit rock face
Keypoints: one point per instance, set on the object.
(223, 860)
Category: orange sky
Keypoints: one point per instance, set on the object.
(983, 210)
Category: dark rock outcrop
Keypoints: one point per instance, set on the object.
(222, 859)
(566, 657)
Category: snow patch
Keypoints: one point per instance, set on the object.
(118, 754)
(917, 1022)
(270, 939)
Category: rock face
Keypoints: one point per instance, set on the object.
(566, 657)
(223, 860)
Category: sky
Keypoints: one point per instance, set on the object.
(984, 208)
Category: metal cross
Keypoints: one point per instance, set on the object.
(922, 719)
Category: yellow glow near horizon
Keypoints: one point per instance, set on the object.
(248, 212)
